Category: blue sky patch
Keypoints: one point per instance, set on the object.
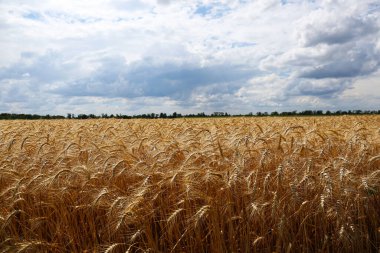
(203, 10)
(242, 44)
(33, 15)
(212, 10)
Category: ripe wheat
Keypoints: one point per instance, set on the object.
(191, 185)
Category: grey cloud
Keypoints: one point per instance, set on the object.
(51, 76)
(337, 31)
(351, 60)
(116, 79)
(164, 2)
(12, 92)
(339, 70)
(333, 48)
(323, 88)
(21, 95)
(4, 107)
(374, 8)
(46, 68)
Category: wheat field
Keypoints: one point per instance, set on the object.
(306, 184)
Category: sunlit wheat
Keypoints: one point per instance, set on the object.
(191, 185)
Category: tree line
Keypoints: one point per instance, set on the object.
(12, 116)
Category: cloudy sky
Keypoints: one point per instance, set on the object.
(139, 56)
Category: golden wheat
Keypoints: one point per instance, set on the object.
(191, 185)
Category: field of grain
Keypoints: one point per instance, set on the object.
(191, 185)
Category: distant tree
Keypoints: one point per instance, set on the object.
(274, 113)
(82, 116)
(217, 114)
(307, 112)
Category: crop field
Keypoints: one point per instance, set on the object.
(306, 184)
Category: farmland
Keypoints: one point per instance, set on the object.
(306, 184)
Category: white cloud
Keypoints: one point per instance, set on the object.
(186, 55)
